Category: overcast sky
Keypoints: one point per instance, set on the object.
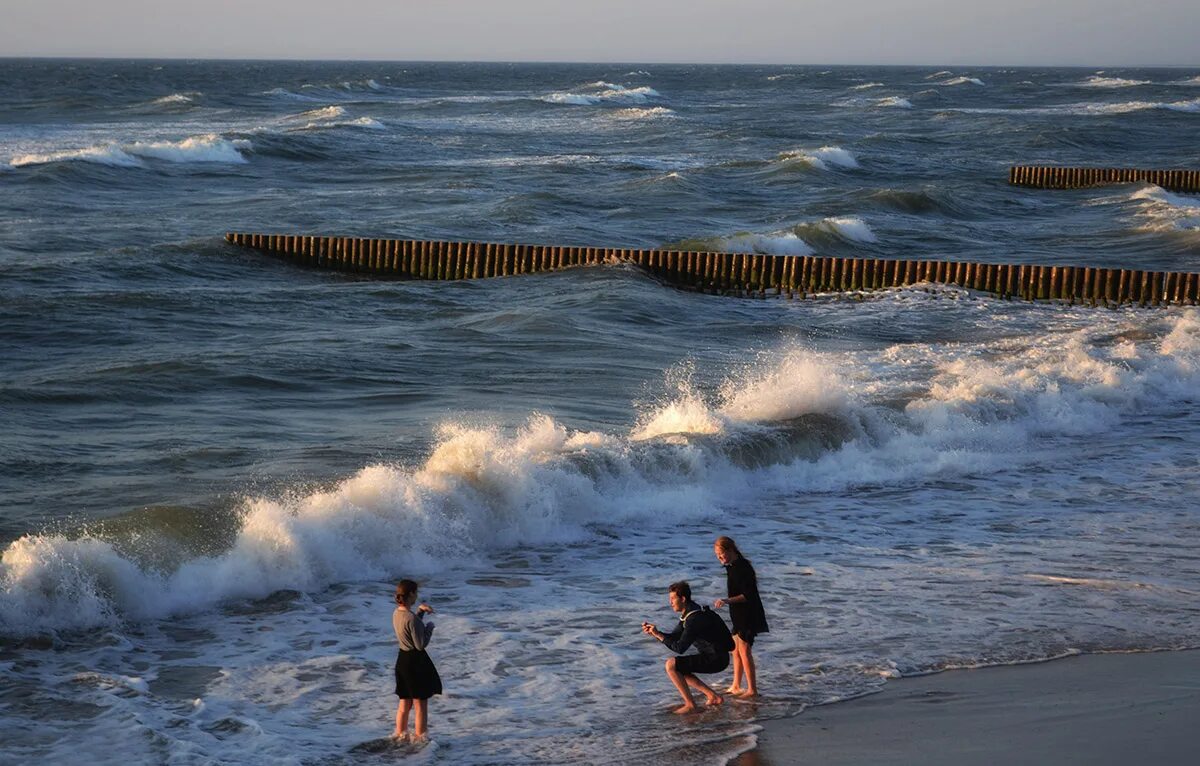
(1004, 32)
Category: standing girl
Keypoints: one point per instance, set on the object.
(416, 678)
(745, 612)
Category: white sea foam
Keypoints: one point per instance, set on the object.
(782, 76)
(822, 158)
(1125, 107)
(935, 75)
(867, 85)
(1194, 81)
(208, 148)
(641, 113)
(852, 228)
(1098, 81)
(962, 81)
(109, 154)
(175, 99)
(1160, 210)
(896, 101)
(981, 409)
(776, 243)
(602, 92)
(329, 117)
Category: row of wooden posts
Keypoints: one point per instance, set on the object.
(1050, 177)
(745, 274)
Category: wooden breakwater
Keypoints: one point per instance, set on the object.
(1052, 177)
(743, 274)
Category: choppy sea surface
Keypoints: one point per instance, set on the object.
(214, 465)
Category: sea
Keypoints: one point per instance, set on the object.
(215, 465)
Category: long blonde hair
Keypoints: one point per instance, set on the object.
(729, 546)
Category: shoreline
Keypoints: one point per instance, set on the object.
(1113, 708)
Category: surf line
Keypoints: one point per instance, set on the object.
(736, 274)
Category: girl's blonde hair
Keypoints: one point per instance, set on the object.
(729, 546)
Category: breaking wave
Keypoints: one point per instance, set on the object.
(790, 421)
(821, 158)
(207, 148)
(601, 92)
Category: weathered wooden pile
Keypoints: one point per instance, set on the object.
(1053, 177)
(744, 274)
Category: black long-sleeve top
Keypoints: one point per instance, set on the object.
(701, 628)
(749, 615)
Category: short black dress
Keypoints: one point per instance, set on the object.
(416, 677)
(748, 618)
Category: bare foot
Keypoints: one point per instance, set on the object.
(748, 694)
(734, 690)
(685, 709)
(400, 736)
(715, 699)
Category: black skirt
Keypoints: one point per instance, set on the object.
(416, 677)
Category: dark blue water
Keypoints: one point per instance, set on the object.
(213, 463)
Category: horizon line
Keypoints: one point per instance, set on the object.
(216, 59)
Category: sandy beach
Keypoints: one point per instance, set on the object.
(1095, 709)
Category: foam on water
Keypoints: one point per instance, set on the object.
(822, 158)
(895, 101)
(207, 148)
(483, 488)
(962, 81)
(602, 92)
(775, 243)
(1162, 210)
(867, 85)
(1099, 81)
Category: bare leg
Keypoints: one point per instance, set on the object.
(677, 678)
(402, 718)
(748, 668)
(710, 696)
(735, 687)
(421, 725)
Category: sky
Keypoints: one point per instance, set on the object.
(1090, 33)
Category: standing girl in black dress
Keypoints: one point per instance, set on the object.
(745, 612)
(416, 678)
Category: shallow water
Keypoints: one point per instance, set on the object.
(214, 464)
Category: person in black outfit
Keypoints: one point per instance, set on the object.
(697, 627)
(745, 612)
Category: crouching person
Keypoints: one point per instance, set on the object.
(703, 629)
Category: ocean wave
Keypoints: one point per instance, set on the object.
(782, 76)
(867, 85)
(325, 118)
(895, 101)
(850, 228)
(207, 148)
(1124, 107)
(1163, 211)
(602, 92)
(773, 243)
(287, 94)
(641, 113)
(1098, 81)
(790, 421)
(962, 81)
(1195, 81)
(935, 75)
(176, 100)
(821, 158)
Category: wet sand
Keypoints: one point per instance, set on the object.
(1115, 709)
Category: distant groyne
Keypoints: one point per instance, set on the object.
(740, 274)
(1054, 177)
